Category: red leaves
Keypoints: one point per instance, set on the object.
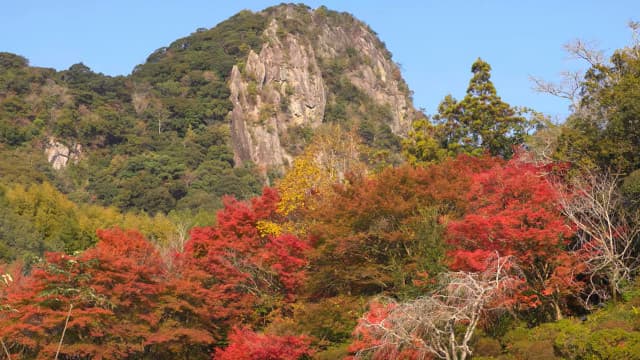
(512, 211)
(286, 254)
(237, 265)
(245, 344)
(122, 298)
(367, 340)
(364, 337)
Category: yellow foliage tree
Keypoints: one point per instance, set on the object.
(301, 180)
(50, 212)
(63, 225)
(332, 154)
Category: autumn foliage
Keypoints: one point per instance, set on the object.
(238, 264)
(513, 211)
(118, 296)
(367, 339)
(122, 300)
(241, 287)
(245, 344)
(380, 233)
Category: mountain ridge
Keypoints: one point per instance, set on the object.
(220, 111)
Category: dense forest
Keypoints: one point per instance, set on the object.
(130, 229)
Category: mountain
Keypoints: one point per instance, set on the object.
(313, 67)
(218, 112)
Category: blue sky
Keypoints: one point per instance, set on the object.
(434, 41)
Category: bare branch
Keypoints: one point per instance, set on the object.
(607, 234)
(634, 26)
(568, 89)
(443, 324)
(579, 49)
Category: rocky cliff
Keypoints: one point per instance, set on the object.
(59, 154)
(218, 112)
(311, 60)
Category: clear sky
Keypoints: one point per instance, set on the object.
(434, 41)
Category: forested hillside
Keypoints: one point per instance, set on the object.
(197, 121)
(264, 189)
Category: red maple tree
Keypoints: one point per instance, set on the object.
(112, 301)
(244, 344)
(513, 211)
(238, 266)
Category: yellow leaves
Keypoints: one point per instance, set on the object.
(43, 205)
(37, 199)
(266, 228)
(332, 154)
(299, 182)
(53, 214)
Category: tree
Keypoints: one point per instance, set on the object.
(326, 161)
(608, 233)
(480, 122)
(245, 344)
(379, 233)
(422, 145)
(52, 215)
(302, 180)
(442, 324)
(240, 267)
(114, 301)
(18, 237)
(513, 211)
(602, 132)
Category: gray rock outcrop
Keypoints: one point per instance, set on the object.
(283, 86)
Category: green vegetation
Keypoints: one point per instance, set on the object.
(154, 141)
(496, 234)
(480, 123)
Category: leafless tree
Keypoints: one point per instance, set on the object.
(442, 325)
(607, 232)
(568, 88)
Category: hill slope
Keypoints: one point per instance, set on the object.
(217, 112)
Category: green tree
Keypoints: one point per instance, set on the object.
(480, 123)
(422, 146)
(18, 237)
(603, 130)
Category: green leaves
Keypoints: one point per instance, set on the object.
(481, 122)
(604, 132)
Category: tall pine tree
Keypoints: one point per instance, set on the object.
(480, 122)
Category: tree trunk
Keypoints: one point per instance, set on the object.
(556, 307)
(64, 330)
(614, 288)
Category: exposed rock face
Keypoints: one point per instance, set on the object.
(59, 154)
(377, 76)
(282, 86)
(279, 88)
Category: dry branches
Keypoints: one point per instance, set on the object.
(442, 324)
(607, 233)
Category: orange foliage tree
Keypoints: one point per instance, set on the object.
(117, 298)
(381, 233)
